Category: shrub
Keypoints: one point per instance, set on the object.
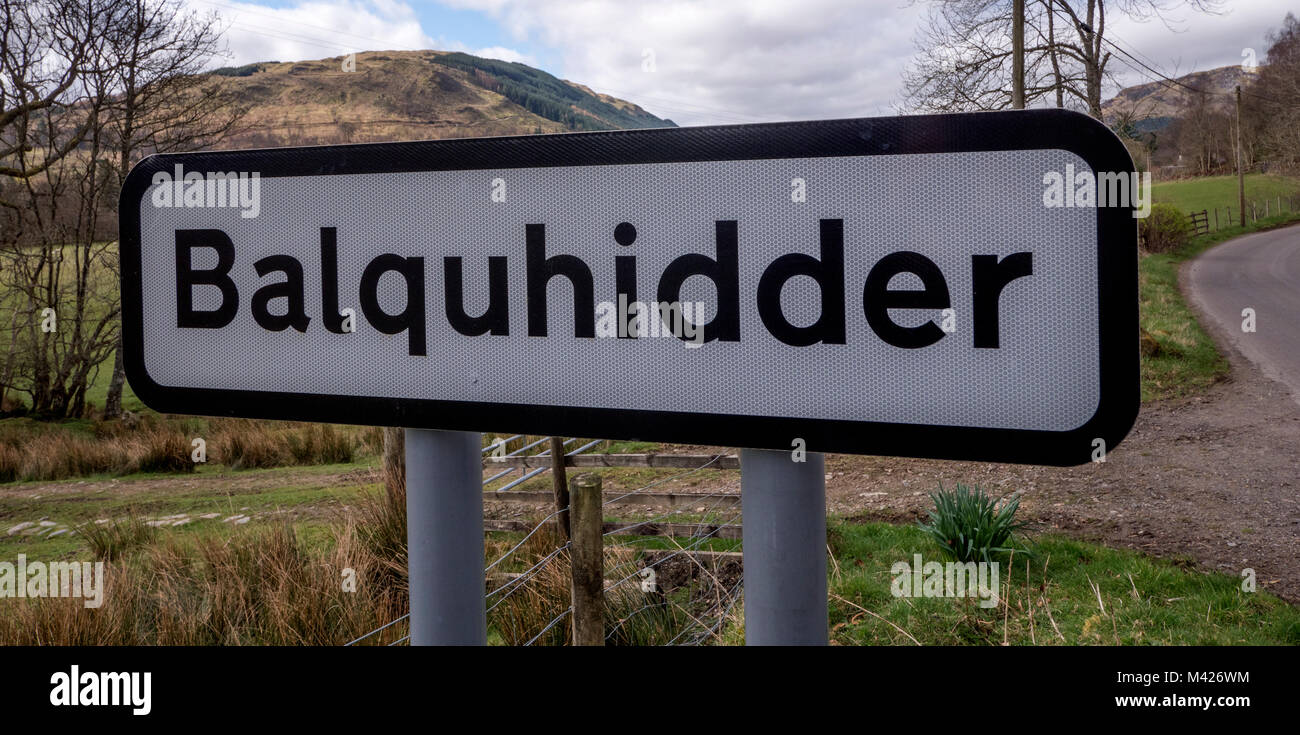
(251, 448)
(164, 451)
(111, 541)
(969, 526)
(1166, 229)
(51, 456)
(319, 444)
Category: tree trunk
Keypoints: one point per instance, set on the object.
(113, 403)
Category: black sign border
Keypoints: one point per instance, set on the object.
(971, 132)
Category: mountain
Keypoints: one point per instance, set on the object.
(413, 95)
(1154, 104)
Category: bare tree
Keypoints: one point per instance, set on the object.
(53, 68)
(964, 60)
(87, 88)
(161, 101)
(965, 57)
(1271, 105)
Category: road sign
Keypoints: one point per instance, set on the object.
(955, 286)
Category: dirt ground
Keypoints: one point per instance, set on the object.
(1211, 481)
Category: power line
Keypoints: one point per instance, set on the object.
(281, 20)
(1163, 78)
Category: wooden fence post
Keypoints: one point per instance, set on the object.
(586, 550)
(560, 486)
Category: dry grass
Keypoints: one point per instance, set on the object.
(261, 589)
(36, 451)
(265, 586)
(53, 455)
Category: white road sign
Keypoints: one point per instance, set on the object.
(958, 286)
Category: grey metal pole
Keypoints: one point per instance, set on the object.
(784, 529)
(444, 532)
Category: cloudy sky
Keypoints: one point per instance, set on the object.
(701, 62)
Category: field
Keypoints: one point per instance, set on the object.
(1194, 195)
(217, 580)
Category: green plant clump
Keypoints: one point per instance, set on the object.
(969, 526)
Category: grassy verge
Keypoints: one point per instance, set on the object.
(1069, 593)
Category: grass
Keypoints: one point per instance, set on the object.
(1069, 593)
(210, 582)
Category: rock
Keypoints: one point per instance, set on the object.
(1148, 345)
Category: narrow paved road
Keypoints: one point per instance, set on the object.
(1259, 272)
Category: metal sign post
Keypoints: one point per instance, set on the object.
(784, 510)
(444, 526)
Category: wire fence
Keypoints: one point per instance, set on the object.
(1214, 219)
(532, 602)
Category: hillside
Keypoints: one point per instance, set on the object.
(414, 95)
(1156, 103)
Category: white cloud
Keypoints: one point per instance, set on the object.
(323, 28)
(504, 54)
(725, 60)
(1188, 41)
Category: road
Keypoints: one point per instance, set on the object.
(1259, 272)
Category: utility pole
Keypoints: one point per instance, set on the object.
(1241, 172)
(1018, 55)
